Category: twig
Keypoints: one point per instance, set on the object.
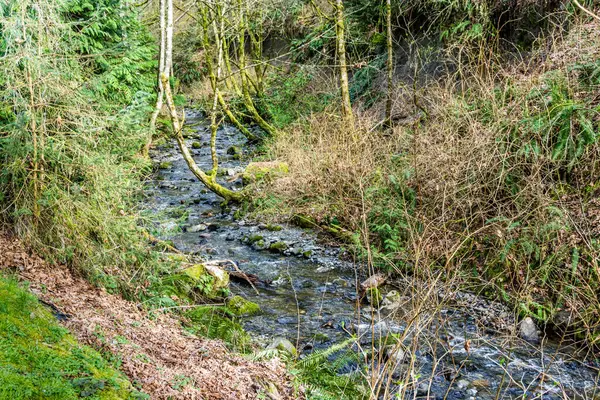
(189, 306)
(585, 10)
(238, 270)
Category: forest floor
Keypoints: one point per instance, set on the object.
(152, 349)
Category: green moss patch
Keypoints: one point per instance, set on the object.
(39, 359)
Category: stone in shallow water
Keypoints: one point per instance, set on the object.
(197, 228)
(528, 330)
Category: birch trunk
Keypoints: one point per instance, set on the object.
(208, 180)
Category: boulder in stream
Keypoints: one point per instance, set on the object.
(374, 281)
(528, 330)
(197, 228)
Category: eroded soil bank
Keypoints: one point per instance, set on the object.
(155, 352)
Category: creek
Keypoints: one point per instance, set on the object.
(311, 298)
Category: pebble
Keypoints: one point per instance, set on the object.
(462, 384)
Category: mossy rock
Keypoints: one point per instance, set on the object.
(258, 171)
(278, 247)
(283, 345)
(260, 245)
(254, 239)
(274, 228)
(196, 272)
(307, 253)
(165, 165)
(196, 145)
(240, 306)
(374, 296)
(236, 152)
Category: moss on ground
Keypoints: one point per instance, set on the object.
(39, 359)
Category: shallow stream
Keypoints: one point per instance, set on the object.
(312, 298)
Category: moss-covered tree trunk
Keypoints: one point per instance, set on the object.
(209, 180)
(208, 49)
(390, 63)
(341, 55)
(244, 78)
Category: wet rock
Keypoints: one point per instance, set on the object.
(423, 389)
(528, 330)
(395, 353)
(282, 280)
(230, 237)
(212, 227)
(284, 346)
(235, 151)
(462, 384)
(374, 281)
(169, 226)
(278, 247)
(197, 228)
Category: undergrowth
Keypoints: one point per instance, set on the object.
(498, 184)
(73, 107)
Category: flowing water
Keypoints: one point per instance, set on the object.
(311, 298)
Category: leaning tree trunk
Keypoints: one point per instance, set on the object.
(213, 79)
(248, 102)
(208, 180)
(341, 54)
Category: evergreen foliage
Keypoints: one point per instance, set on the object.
(74, 95)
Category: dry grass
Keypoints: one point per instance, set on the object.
(331, 165)
(481, 202)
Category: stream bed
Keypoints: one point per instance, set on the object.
(311, 298)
